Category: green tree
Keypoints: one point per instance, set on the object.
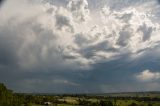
(7, 98)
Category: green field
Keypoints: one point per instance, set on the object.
(107, 101)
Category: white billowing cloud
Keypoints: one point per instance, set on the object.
(79, 9)
(42, 38)
(148, 75)
(131, 29)
(117, 33)
(45, 35)
(64, 20)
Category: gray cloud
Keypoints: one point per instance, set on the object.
(146, 32)
(1, 1)
(124, 38)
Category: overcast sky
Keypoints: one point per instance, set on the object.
(80, 46)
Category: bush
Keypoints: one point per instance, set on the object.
(106, 103)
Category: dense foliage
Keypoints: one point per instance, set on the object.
(7, 98)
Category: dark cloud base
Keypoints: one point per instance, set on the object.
(1, 1)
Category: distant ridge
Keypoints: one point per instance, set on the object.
(116, 94)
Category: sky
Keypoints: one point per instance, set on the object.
(80, 46)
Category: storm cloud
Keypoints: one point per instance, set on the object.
(76, 45)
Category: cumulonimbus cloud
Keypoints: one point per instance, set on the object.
(44, 34)
(51, 42)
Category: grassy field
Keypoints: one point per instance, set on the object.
(54, 105)
(119, 99)
(74, 101)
